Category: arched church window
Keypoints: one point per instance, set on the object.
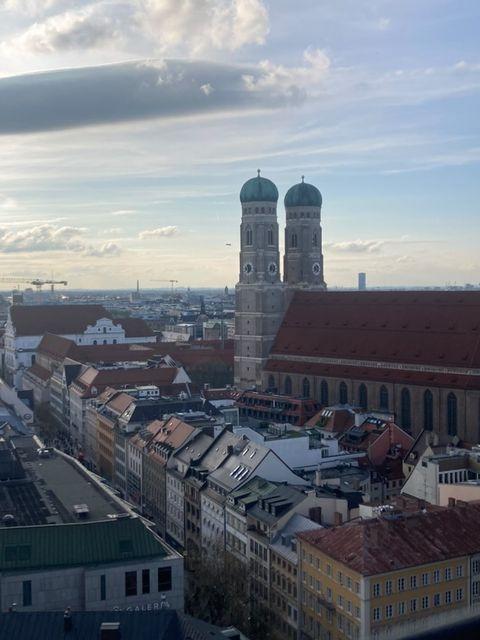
(270, 236)
(306, 388)
(256, 209)
(301, 214)
(406, 409)
(452, 414)
(363, 397)
(271, 382)
(315, 240)
(428, 410)
(343, 393)
(324, 392)
(288, 386)
(248, 236)
(294, 241)
(263, 209)
(383, 398)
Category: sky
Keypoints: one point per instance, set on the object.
(127, 128)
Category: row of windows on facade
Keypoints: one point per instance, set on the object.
(426, 602)
(383, 402)
(435, 577)
(250, 210)
(293, 243)
(290, 215)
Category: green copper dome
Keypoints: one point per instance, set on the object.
(259, 190)
(303, 195)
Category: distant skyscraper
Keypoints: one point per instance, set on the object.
(362, 281)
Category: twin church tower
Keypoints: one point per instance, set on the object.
(261, 295)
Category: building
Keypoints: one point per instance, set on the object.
(83, 324)
(390, 577)
(362, 281)
(261, 296)
(411, 354)
(256, 407)
(66, 541)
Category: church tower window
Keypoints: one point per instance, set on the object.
(306, 388)
(270, 236)
(271, 382)
(343, 393)
(363, 397)
(314, 240)
(288, 386)
(428, 410)
(248, 236)
(383, 398)
(452, 414)
(406, 410)
(294, 241)
(324, 392)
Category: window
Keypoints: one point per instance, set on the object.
(401, 584)
(376, 614)
(428, 410)
(425, 579)
(324, 392)
(476, 566)
(376, 590)
(425, 602)
(146, 581)
(314, 240)
(413, 604)
(271, 382)
(26, 593)
(288, 386)
(294, 241)
(383, 398)
(306, 388)
(165, 579)
(413, 582)
(476, 588)
(459, 571)
(448, 573)
(406, 411)
(436, 576)
(452, 414)
(448, 597)
(103, 587)
(248, 236)
(459, 594)
(130, 583)
(270, 236)
(436, 600)
(388, 587)
(401, 608)
(343, 393)
(363, 397)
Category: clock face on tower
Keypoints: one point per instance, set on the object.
(316, 269)
(272, 268)
(247, 268)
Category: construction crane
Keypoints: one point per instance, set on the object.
(36, 282)
(172, 282)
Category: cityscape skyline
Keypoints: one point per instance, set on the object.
(373, 102)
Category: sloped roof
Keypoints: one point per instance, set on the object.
(39, 372)
(101, 378)
(429, 328)
(64, 545)
(380, 545)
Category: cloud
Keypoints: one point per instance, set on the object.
(183, 26)
(161, 232)
(383, 23)
(123, 212)
(108, 249)
(7, 204)
(43, 237)
(137, 90)
(29, 7)
(357, 246)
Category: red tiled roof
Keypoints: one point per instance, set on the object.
(39, 372)
(65, 319)
(162, 377)
(430, 328)
(57, 347)
(338, 422)
(381, 545)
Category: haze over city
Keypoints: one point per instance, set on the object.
(128, 127)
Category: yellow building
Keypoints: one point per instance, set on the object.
(389, 577)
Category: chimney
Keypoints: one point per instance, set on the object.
(315, 514)
(337, 518)
(110, 631)
(451, 502)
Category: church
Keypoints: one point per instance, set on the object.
(414, 354)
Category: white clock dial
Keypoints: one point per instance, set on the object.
(247, 268)
(316, 269)
(272, 268)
